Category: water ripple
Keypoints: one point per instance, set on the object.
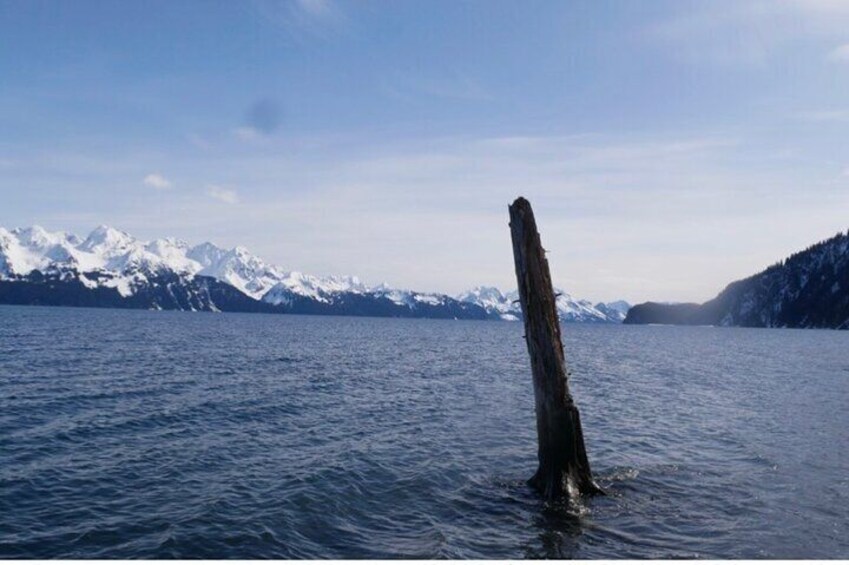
(172, 435)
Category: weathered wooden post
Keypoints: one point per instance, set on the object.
(563, 464)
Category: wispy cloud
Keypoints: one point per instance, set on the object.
(222, 194)
(157, 181)
(748, 32)
(454, 86)
(832, 116)
(199, 141)
(317, 8)
(246, 133)
(302, 18)
(618, 210)
(840, 54)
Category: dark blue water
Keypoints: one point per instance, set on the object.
(164, 434)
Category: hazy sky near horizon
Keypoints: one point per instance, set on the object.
(668, 147)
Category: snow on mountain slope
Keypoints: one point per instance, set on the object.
(318, 288)
(573, 310)
(487, 296)
(494, 301)
(107, 242)
(121, 261)
(409, 298)
(24, 250)
(506, 306)
(616, 311)
(237, 267)
(111, 258)
(125, 262)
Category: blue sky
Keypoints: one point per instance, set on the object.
(667, 147)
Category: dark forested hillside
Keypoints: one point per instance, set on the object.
(809, 289)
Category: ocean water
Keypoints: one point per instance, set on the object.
(166, 434)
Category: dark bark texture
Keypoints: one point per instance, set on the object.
(563, 465)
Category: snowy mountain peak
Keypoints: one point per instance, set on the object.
(36, 235)
(493, 301)
(107, 240)
(112, 258)
(237, 267)
(206, 253)
(39, 238)
(321, 289)
(507, 307)
(481, 293)
(26, 249)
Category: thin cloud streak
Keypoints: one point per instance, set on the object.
(456, 86)
(302, 19)
(840, 54)
(636, 217)
(403, 133)
(833, 116)
(657, 209)
(225, 195)
(157, 181)
(748, 32)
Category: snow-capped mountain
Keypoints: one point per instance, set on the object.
(506, 306)
(112, 268)
(494, 301)
(616, 311)
(126, 263)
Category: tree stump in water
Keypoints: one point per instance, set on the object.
(563, 465)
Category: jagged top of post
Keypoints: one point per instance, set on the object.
(522, 211)
(521, 202)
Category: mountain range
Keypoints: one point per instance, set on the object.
(809, 289)
(111, 268)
